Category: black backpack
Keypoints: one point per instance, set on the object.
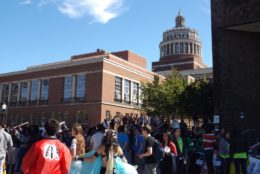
(158, 151)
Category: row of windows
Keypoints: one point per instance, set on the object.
(178, 35)
(180, 48)
(131, 92)
(29, 91)
(24, 94)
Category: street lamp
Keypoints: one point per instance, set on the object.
(4, 108)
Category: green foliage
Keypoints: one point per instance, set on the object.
(173, 96)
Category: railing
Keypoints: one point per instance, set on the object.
(73, 100)
(129, 103)
(43, 101)
(32, 102)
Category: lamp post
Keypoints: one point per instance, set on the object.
(4, 109)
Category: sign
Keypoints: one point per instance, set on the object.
(216, 119)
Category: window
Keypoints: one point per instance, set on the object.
(118, 89)
(14, 92)
(195, 49)
(34, 90)
(172, 48)
(67, 87)
(177, 48)
(186, 48)
(24, 91)
(127, 91)
(108, 115)
(44, 90)
(168, 49)
(5, 92)
(135, 93)
(181, 47)
(81, 86)
(85, 118)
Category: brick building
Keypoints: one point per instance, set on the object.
(236, 62)
(87, 88)
(181, 49)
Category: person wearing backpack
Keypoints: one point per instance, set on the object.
(151, 163)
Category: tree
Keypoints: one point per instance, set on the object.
(196, 100)
(162, 97)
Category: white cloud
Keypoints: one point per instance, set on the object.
(101, 11)
(26, 2)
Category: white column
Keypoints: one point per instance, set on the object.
(123, 89)
(131, 91)
(173, 47)
(28, 90)
(9, 92)
(74, 86)
(39, 90)
(19, 92)
(139, 94)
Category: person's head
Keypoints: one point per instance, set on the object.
(76, 129)
(210, 128)
(121, 129)
(110, 140)
(166, 136)
(146, 130)
(137, 131)
(227, 135)
(52, 127)
(35, 129)
(177, 132)
(223, 131)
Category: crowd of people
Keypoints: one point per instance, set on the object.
(123, 145)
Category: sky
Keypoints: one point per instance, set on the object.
(34, 32)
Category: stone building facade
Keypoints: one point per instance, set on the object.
(236, 62)
(181, 50)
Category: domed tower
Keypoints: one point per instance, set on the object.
(180, 48)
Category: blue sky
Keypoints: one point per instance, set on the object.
(34, 32)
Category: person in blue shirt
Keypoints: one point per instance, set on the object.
(138, 147)
(123, 141)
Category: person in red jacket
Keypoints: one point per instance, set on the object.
(48, 155)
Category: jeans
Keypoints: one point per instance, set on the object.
(240, 163)
(150, 169)
(209, 161)
(225, 165)
(180, 165)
